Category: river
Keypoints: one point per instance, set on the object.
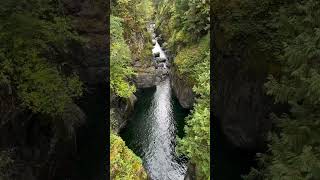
(151, 133)
(153, 129)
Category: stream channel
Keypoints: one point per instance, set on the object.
(158, 119)
(156, 122)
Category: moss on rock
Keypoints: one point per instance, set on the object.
(124, 163)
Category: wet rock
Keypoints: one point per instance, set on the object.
(154, 42)
(162, 72)
(145, 80)
(160, 40)
(161, 59)
(169, 55)
(154, 64)
(156, 54)
(161, 65)
(182, 90)
(191, 172)
(132, 100)
(122, 109)
(146, 77)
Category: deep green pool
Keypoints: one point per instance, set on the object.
(151, 132)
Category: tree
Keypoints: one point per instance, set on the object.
(33, 37)
(287, 33)
(135, 15)
(127, 20)
(120, 58)
(186, 26)
(194, 63)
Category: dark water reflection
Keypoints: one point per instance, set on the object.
(152, 131)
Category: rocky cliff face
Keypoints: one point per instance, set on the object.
(122, 109)
(89, 60)
(146, 77)
(182, 90)
(89, 19)
(191, 172)
(39, 149)
(240, 102)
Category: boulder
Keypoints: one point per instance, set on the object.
(146, 77)
(161, 65)
(132, 100)
(161, 59)
(156, 54)
(145, 80)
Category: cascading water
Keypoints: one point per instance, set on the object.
(157, 48)
(152, 131)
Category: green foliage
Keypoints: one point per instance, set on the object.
(135, 14)
(128, 25)
(124, 163)
(194, 58)
(120, 59)
(288, 33)
(183, 21)
(185, 24)
(42, 89)
(35, 38)
(194, 63)
(196, 144)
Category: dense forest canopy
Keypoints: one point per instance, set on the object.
(35, 78)
(35, 36)
(120, 60)
(286, 34)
